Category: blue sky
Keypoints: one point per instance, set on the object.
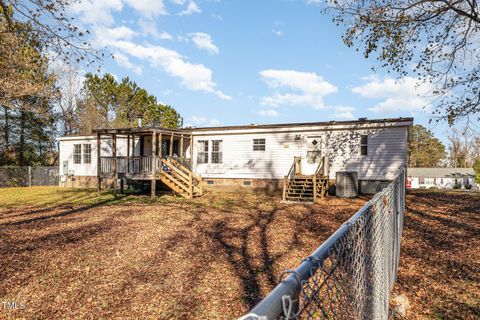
(221, 62)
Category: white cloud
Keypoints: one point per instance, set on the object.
(149, 28)
(195, 77)
(308, 82)
(217, 17)
(309, 88)
(204, 41)
(105, 36)
(315, 2)
(96, 11)
(268, 113)
(123, 61)
(148, 8)
(201, 121)
(277, 32)
(343, 112)
(405, 94)
(192, 8)
(179, 2)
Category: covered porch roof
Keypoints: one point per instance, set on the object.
(138, 131)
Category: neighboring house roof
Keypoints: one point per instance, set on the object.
(441, 172)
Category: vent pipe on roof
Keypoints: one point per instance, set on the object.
(139, 120)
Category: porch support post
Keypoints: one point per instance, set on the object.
(181, 147)
(132, 161)
(114, 160)
(191, 151)
(154, 164)
(171, 145)
(99, 179)
(160, 145)
(128, 153)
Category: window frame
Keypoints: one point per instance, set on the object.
(217, 155)
(77, 153)
(202, 155)
(258, 145)
(87, 156)
(364, 144)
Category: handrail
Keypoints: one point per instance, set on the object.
(320, 166)
(177, 172)
(290, 173)
(180, 166)
(195, 178)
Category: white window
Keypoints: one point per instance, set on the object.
(202, 151)
(87, 153)
(364, 145)
(216, 151)
(77, 153)
(429, 181)
(258, 144)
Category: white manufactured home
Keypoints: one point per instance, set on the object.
(442, 178)
(252, 156)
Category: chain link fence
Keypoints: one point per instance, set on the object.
(351, 275)
(24, 176)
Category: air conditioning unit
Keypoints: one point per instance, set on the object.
(346, 184)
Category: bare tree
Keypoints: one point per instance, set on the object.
(437, 38)
(70, 84)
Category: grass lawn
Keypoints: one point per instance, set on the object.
(75, 254)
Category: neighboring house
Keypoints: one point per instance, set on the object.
(440, 177)
(252, 155)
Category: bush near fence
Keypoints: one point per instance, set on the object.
(351, 275)
(24, 176)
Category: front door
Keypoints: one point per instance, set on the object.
(313, 154)
(147, 146)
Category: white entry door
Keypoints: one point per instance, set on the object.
(312, 155)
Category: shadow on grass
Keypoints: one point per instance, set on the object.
(63, 213)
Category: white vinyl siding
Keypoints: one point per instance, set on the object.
(387, 151)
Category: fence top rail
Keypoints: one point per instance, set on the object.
(271, 306)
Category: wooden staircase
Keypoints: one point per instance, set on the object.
(298, 187)
(179, 178)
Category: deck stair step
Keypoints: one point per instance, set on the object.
(180, 179)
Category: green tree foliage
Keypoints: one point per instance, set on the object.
(108, 103)
(438, 38)
(476, 167)
(27, 93)
(425, 150)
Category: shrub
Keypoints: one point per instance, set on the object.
(457, 186)
(468, 186)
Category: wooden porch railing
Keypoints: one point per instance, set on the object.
(130, 165)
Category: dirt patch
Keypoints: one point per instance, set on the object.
(210, 258)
